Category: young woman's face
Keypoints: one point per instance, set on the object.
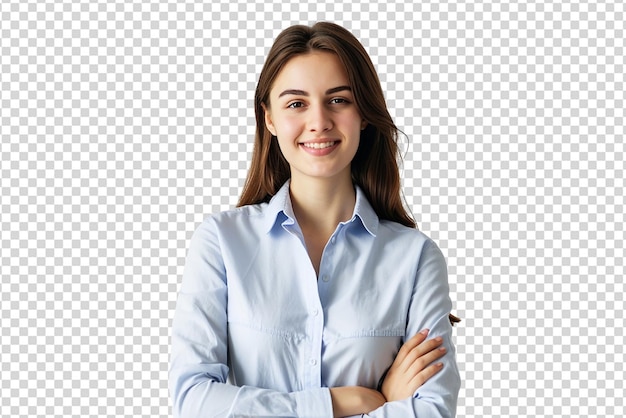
(313, 115)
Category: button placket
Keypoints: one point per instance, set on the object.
(314, 361)
(314, 372)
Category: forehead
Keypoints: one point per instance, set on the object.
(311, 71)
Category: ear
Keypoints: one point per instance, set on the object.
(268, 119)
(363, 124)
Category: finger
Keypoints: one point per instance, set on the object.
(425, 374)
(424, 361)
(410, 344)
(421, 350)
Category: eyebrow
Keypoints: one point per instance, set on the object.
(304, 93)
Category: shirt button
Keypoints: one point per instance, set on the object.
(315, 312)
(312, 362)
(325, 278)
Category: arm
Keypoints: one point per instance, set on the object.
(429, 309)
(198, 364)
(413, 365)
(355, 400)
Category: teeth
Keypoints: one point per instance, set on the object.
(319, 145)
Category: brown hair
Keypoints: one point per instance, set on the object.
(375, 165)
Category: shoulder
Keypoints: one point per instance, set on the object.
(233, 222)
(236, 216)
(397, 231)
(410, 240)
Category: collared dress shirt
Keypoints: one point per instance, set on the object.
(257, 333)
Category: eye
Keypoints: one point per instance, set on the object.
(338, 100)
(295, 105)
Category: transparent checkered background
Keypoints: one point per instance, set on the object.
(123, 124)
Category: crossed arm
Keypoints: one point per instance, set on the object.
(414, 364)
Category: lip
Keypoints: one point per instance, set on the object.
(319, 151)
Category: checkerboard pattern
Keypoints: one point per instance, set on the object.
(123, 124)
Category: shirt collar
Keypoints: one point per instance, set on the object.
(280, 207)
(364, 211)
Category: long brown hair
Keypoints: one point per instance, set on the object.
(375, 165)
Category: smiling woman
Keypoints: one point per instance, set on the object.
(317, 296)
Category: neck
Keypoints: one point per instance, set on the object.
(322, 203)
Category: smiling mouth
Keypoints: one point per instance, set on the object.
(318, 145)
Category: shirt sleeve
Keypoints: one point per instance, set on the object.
(198, 363)
(429, 308)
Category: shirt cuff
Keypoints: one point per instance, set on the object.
(314, 403)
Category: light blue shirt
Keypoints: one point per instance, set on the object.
(257, 333)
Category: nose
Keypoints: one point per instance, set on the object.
(319, 119)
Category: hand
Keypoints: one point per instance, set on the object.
(355, 400)
(413, 366)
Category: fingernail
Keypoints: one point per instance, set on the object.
(442, 348)
(439, 339)
(424, 331)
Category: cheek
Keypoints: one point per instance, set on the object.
(352, 123)
(287, 127)
(288, 131)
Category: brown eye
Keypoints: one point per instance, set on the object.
(295, 105)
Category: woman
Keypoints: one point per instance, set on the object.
(317, 296)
